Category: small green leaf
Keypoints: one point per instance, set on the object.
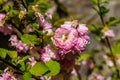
(94, 1)
(12, 54)
(116, 48)
(38, 69)
(103, 10)
(84, 56)
(113, 21)
(3, 53)
(27, 76)
(35, 25)
(6, 7)
(22, 66)
(54, 68)
(1, 2)
(24, 58)
(30, 39)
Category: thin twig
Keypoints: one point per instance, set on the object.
(108, 42)
(24, 4)
(100, 14)
(112, 55)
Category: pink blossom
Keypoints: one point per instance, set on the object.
(6, 30)
(49, 31)
(21, 47)
(82, 29)
(70, 24)
(65, 38)
(45, 23)
(32, 61)
(66, 24)
(109, 33)
(81, 43)
(13, 40)
(88, 63)
(97, 76)
(7, 76)
(2, 16)
(74, 72)
(48, 53)
(30, 29)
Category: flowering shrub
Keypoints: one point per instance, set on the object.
(40, 45)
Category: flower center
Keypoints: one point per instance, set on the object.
(64, 37)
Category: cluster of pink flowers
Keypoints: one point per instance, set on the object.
(32, 61)
(71, 36)
(48, 53)
(18, 44)
(7, 76)
(45, 22)
(6, 30)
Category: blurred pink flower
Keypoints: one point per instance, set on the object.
(2, 16)
(88, 63)
(7, 76)
(45, 23)
(109, 33)
(6, 30)
(48, 53)
(32, 61)
(65, 38)
(13, 40)
(97, 76)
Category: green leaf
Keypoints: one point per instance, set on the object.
(22, 66)
(95, 29)
(116, 48)
(12, 54)
(1, 2)
(27, 76)
(36, 25)
(28, 2)
(84, 56)
(43, 5)
(38, 69)
(30, 39)
(94, 1)
(6, 8)
(113, 21)
(54, 68)
(24, 58)
(103, 10)
(3, 53)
